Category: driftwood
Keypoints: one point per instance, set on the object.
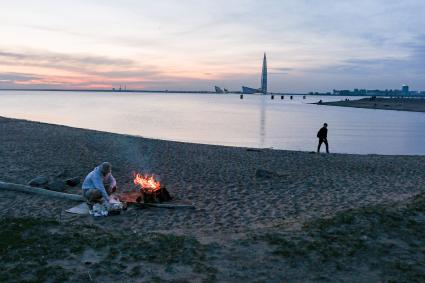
(39, 191)
(168, 205)
(73, 197)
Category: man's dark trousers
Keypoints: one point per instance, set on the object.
(325, 141)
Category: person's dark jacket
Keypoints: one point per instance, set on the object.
(323, 133)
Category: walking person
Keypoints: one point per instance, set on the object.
(323, 138)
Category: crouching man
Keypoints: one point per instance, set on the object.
(99, 184)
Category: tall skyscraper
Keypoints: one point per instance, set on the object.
(264, 76)
(263, 88)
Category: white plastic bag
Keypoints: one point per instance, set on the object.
(99, 210)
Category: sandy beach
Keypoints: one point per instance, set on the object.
(261, 215)
(400, 104)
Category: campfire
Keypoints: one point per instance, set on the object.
(147, 190)
(147, 184)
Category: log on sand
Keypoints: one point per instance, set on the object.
(39, 191)
(73, 197)
(169, 205)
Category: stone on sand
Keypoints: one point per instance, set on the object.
(56, 185)
(265, 174)
(39, 181)
(73, 182)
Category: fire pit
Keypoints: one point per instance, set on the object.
(148, 190)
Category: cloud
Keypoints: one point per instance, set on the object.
(411, 63)
(130, 74)
(53, 59)
(71, 70)
(279, 71)
(196, 44)
(11, 77)
(282, 69)
(11, 80)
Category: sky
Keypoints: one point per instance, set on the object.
(311, 45)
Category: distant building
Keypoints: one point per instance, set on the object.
(263, 88)
(264, 76)
(218, 89)
(377, 92)
(249, 90)
(341, 92)
(405, 90)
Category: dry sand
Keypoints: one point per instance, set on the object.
(401, 104)
(241, 197)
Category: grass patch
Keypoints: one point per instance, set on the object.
(34, 250)
(387, 239)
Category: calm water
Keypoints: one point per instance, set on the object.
(255, 121)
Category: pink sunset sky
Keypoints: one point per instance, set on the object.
(194, 45)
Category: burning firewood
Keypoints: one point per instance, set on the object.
(158, 196)
(149, 192)
(150, 189)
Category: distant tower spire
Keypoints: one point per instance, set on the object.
(264, 76)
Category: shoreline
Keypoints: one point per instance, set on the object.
(251, 149)
(247, 205)
(397, 104)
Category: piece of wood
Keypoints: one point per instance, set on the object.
(73, 197)
(169, 205)
(39, 191)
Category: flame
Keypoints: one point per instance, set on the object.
(147, 184)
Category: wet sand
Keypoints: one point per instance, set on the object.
(239, 194)
(401, 104)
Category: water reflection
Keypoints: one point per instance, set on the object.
(263, 121)
(255, 121)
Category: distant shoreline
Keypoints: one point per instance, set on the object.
(146, 91)
(399, 104)
(110, 90)
(179, 91)
(160, 91)
(197, 92)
